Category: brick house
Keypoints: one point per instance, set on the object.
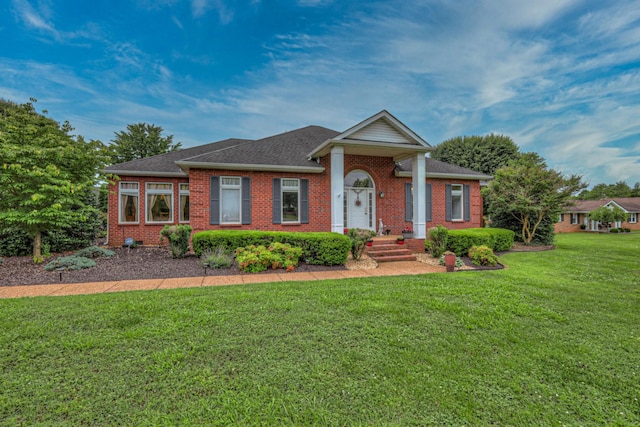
(576, 215)
(374, 175)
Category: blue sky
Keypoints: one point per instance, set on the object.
(561, 77)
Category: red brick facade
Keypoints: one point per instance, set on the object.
(390, 208)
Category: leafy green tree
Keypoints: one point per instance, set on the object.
(605, 191)
(139, 141)
(47, 174)
(529, 193)
(607, 215)
(484, 154)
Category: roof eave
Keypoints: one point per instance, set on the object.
(249, 167)
(147, 173)
(325, 148)
(408, 174)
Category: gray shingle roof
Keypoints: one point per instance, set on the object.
(286, 149)
(166, 163)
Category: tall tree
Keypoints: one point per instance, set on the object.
(529, 193)
(484, 154)
(603, 191)
(47, 173)
(139, 141)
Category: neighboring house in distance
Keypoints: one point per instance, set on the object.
(308, 179)
(578, 214)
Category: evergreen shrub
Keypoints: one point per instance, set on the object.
(498, 239)
(319, 248)
(178, 237)
(482, 255)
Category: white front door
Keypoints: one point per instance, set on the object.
(360, 209)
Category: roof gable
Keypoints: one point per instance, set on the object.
(381, 134)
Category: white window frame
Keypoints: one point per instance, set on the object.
(575, 218)
(166, 192)
(183, 190)
(230, 186)
(286, 185)
(457, 191)
(128, 192)
(633, 218)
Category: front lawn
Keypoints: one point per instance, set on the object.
(554, 339)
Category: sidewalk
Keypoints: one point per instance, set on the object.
(383, 269)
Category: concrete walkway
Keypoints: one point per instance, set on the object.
(383, 269)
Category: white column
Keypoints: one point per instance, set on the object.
(337, 189)
(419, 177)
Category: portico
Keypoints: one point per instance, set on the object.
(379, 136)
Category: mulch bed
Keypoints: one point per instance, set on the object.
(143, 262)
(149, 262)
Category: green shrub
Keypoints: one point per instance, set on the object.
(359, 238)
(220, 257)
(437, 238)
(498, 239)
(178, 237)
(72, 262)
(94, 252)
(482, 255)
(254, 259)
(614, 230)
(320, 248)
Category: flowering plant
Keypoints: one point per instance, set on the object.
(407, 230)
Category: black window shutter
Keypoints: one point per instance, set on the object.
(246, 200)
(277, 202)
(408, 202)
(447, 202)
(304, 201)
(428, 216)
(214, 206)
(466, 196)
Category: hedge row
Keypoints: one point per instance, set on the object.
(317, 248)
(498, 239)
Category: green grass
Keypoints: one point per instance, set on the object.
(552, 340)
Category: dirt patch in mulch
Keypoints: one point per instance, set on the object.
(143, 262)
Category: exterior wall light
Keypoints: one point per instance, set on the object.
(381, 194)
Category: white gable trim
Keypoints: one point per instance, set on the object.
(613, 202)
(380, 130)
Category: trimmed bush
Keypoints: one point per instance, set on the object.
(178, 237)
(319, 248)
(436, 241)
(72, 262)
(498, 239)
(359, 238)
(94, 252)
(254, 259)
(482, 255)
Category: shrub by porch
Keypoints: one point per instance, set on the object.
(319, 248)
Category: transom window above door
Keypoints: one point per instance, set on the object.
(358, 179)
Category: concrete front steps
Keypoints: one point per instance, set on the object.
(385, 249)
